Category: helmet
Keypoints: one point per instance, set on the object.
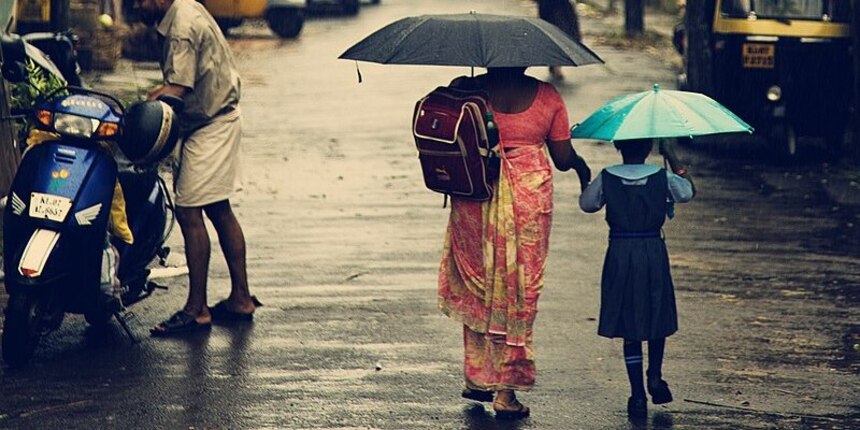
(150, 132)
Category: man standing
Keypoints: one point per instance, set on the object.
(198, 67)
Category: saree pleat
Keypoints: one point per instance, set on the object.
(492, 271)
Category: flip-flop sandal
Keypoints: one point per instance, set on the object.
(520, 412)
(477, 395)
(220, 312)
(180, 322)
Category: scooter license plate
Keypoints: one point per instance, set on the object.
(48, 206)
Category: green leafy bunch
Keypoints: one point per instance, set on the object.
(25, 94)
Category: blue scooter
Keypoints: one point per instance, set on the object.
(56, 221)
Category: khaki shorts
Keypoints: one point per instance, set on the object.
(208, 167)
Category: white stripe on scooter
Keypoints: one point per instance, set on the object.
(36, 253)
(18, 205)
(88, 215)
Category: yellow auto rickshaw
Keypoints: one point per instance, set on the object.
(785, 66)
(285, 17)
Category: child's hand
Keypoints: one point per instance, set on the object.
(665, 148)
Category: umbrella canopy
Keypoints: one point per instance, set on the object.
(472, 39)
(659, 114)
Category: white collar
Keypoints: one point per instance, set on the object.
(633, 172)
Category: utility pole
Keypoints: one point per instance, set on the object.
(698, 46)
(855, 40)
(59, 15)
(634, 17)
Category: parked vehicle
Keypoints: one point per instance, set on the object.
(785, 67)
(54, 52)
(285, 17)
(44, 24)
(346, 7)
(59, 204)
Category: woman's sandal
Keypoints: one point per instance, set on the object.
(180, 322)
(520, 410)
(477, 395)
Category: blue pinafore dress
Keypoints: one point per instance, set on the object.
(637, 300)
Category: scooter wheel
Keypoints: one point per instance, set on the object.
(21, 329)
(97, 318)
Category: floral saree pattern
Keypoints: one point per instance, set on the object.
(493, 262)
(492, 271)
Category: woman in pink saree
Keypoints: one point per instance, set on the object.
(492, 268)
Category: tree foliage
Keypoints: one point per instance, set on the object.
(26, 94)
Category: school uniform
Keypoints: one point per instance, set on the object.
(637, 295)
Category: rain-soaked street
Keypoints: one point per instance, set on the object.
(343, 249)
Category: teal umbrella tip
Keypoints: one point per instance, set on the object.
(656, 87)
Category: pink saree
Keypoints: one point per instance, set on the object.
(494, 257)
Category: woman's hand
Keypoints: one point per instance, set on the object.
(565, 158)
(583, 171)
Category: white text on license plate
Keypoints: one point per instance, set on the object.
(48, 206)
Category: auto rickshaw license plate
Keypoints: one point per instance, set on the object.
(759, 56)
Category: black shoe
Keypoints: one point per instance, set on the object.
(637, 407)
(477, 395)
(659, 391)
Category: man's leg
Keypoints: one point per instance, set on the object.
(197, 249)
(232, 241)
(195, 313)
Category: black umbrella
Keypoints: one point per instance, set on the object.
(473, 39)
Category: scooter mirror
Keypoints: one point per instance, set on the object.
(14, 72)
(174, 102)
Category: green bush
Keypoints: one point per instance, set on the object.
(26, 94)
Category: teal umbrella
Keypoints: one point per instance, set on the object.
(659, 114)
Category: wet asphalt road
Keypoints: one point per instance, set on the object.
(343, 245)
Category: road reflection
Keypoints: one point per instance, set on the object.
(476, 417)
(658, 421)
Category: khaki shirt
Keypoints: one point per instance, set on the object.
(196, 56)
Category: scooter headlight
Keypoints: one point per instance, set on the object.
(73, 125)
(774, 93)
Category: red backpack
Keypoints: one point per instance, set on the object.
(450, 130)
